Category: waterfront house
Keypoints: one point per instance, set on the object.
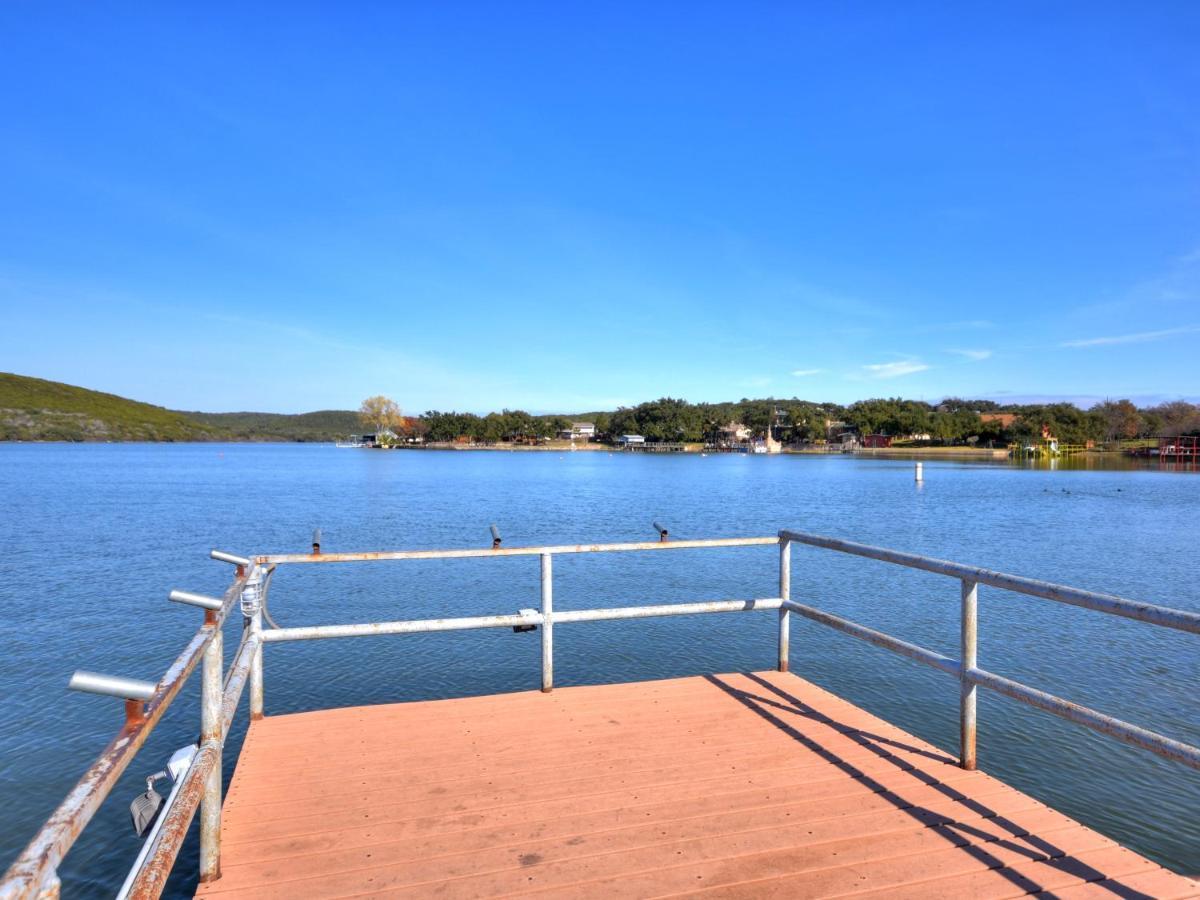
(579, 431)
(627, 440)
(834, 428)
(735, 433)
(1004, 420)
(876, 441)
(385, 437)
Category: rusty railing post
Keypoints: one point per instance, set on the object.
(211, 677)
(252, 611)
(547, 623)
(51, 888)
(785, 594)
(967, 660)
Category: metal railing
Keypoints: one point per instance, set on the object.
(966, 668)
(35, 871)
(34, 874)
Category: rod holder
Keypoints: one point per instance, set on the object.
(662, 532)
(316, 542)
(130, 689)
(495, 537)
(523, 628)
(200, 600)
(222, 556)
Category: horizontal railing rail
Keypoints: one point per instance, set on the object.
(530, 617)
(469, 553)
(34, 874)
(1106, 603)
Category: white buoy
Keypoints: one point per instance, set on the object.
(919, 475)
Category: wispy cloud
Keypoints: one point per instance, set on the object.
(1140, 337)
(895, 369)
(973, 355)
(965, 325)
(804, 373)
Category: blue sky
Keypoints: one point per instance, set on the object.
(290, 207)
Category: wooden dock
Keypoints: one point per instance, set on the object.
(753, 785)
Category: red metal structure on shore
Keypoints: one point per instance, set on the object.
(1185, 448)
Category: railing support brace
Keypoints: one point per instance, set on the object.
(967, 690)
(785, 594)
(547, 623)
(211, 733)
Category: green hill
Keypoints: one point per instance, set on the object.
(32, 409)
(325, 425)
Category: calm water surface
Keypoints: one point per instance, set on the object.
(95, 536)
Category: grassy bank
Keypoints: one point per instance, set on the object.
(937, 452)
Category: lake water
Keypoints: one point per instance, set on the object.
(95, 536)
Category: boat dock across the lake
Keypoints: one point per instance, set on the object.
(732, 785)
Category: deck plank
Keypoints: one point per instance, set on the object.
(747, 785)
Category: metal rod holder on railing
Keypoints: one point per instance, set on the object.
(135, 693)
(201, 600)
(222, 556)
(663, 534)
(495, 537)
(112, 686)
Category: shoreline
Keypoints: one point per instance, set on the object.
(948, 453)
(696, 449)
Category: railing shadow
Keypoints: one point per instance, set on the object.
(962, 836)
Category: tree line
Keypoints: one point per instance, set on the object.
(952, 421)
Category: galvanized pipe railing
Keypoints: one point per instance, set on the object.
(35, 872)
(966, 669)
(529, 617)
(561, 550)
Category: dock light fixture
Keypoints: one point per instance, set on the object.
(662, 533)
(147, 808)
(211, 604)
(316, 542)
(495, 537)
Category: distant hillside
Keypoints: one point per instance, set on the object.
(32, 409)
(325, 425)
